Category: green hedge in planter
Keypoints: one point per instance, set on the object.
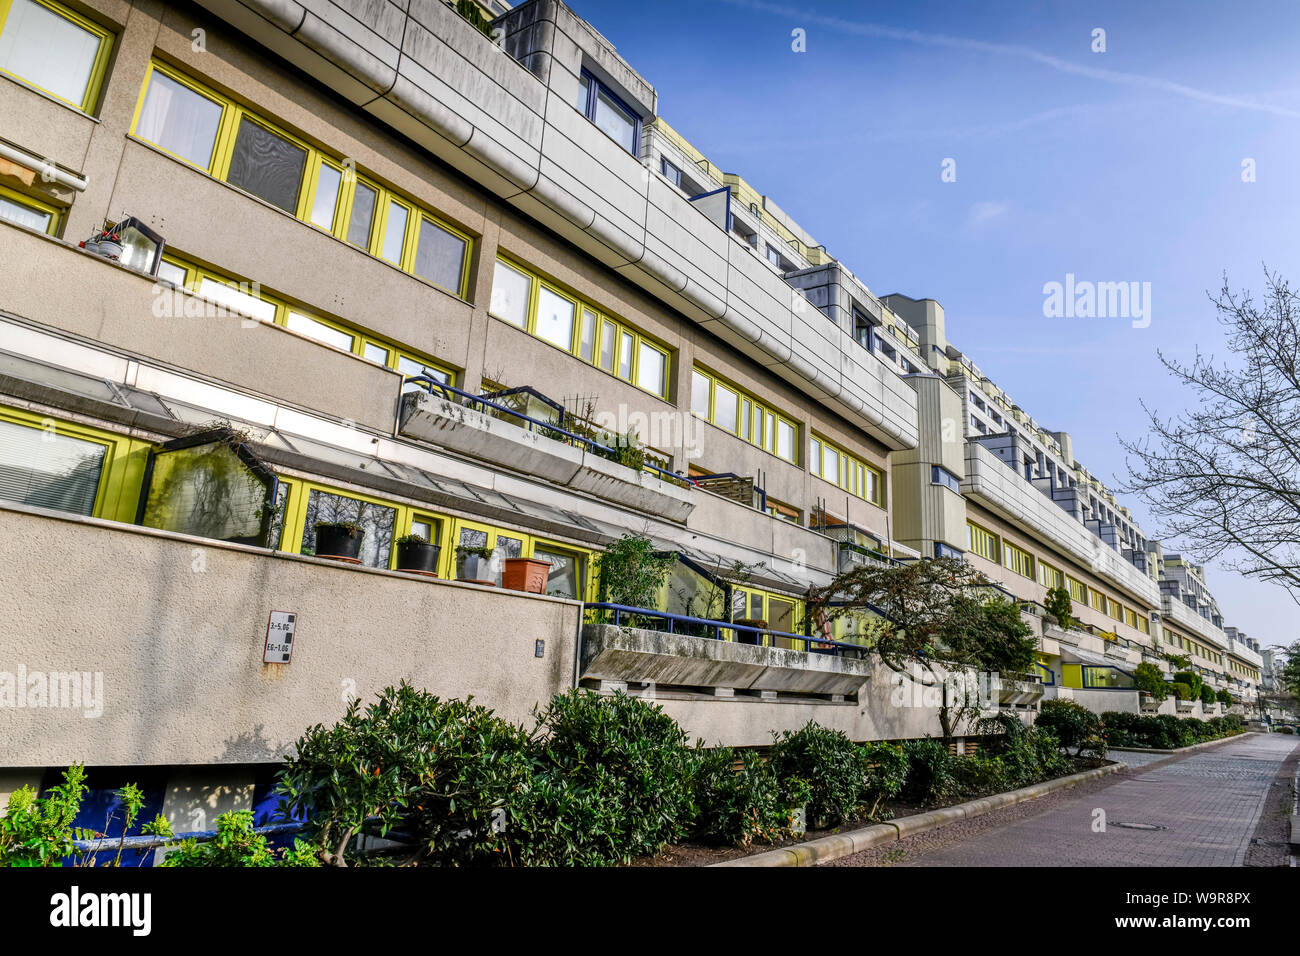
(739, 807)
(830, 762)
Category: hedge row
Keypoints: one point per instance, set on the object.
(1165, 731)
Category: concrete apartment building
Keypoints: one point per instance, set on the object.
(376, 265)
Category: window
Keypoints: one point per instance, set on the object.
(774, 257)
(942, 476)
(267, 165)
(849, 472)
(376, 521)
(247, 298)
(942, 550)
(29, 213)
(1144, 624)
(565, 577)
(671, 173)
(233, 144)
(1017, 560)
(743, 415)
(862, 328)
(55, 50)
(1078, 592)
(1096, 600)
(1115, 609)
(42, 467)
(611, 115)
(981, 541)
(534, 305)
(1048, 576)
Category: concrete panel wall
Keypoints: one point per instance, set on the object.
(177, 628)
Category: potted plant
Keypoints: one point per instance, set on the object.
(474, 564)
(417, 555)
(339, 540)
(526, 574)
(105, 242)
(750, 637)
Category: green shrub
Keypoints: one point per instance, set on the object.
(624, 763)
(884, 775)
(1073, 725)
(436, 769)
(931, 775)
(830, 762)
(982, 773)
(1149, 677)
(1224, 698)
(1058, 604)
(1207, 695)
(1284, 729)
(1025, 754)
(236, 844)
(1193, 681)
(1180, 690)
(743, 806)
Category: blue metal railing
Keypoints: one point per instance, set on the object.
(551, 429)
(108, 844)
(810, 643)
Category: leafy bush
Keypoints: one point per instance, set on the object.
(236, 844)
(746, 805)
(931, 775)
(1193, 681)
(1207, 695)
(1025, 754)
(1059, 606)
(620, 760)
(1224, 698)
(631, 573)
(1165, 731)
(435, 769)
(831, 764)
(884, 775)
(1073, 725)
(1180, 690)
(1149, 677)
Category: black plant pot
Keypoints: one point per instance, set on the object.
(335, 542)
(420, 558)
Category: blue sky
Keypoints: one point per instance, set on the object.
(1117, 166)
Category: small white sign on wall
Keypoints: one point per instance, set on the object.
(279, 637)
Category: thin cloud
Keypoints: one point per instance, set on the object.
(946, 41)
(983, 213)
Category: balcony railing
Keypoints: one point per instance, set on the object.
(550, 429)
(716, 630)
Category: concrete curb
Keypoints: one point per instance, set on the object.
(855, 841)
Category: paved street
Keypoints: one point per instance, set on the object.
(1197, 810)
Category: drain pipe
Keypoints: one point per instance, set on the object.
(46, 169)
(577, 645)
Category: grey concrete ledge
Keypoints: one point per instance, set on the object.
(855, 841)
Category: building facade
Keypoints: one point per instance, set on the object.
(273, 267)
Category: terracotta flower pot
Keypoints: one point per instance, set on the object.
(526, 574)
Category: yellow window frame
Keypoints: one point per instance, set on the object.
(797, 610)
(1017, 560)
(117, 496)
(1097, 600)
(749, 408)
(528, 544)
(223, 150)
(99, 67)
(983, 542)
(1078, 590)
(22, 199)
(1049, 576)
(853, 471)
(195, 274)
(536, 283)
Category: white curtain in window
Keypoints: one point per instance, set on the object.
(179, 120)
(48, 50)
(44, 468)
(21, 215)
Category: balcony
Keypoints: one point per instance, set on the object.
(483, 428)
(1006, 492)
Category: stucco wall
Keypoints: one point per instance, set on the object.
(177, 627)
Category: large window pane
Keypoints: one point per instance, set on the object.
(615, 121)
(209, 491)
(554, 318)
(319, 331)
(375, 520)
(625, 356)
(363, 215)
(785, 440)
(44, 468)
(327, 196)
(440, 256)
(409, 366)
(587, 344)
(510, 289)
(48, 50)
(395, 232)
(650, 369)
(700, 394)
(565, 576)
(237, 300)
(24, 215)
(179, 120)
(267, 165)
(608, 343)
(724, 407)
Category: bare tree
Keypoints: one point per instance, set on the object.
(1223, 477)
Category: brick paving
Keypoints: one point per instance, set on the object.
(1207, 805)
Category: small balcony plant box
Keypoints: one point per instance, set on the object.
(526, 574)
(339, 541)
(474, 564)
(417, 555)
